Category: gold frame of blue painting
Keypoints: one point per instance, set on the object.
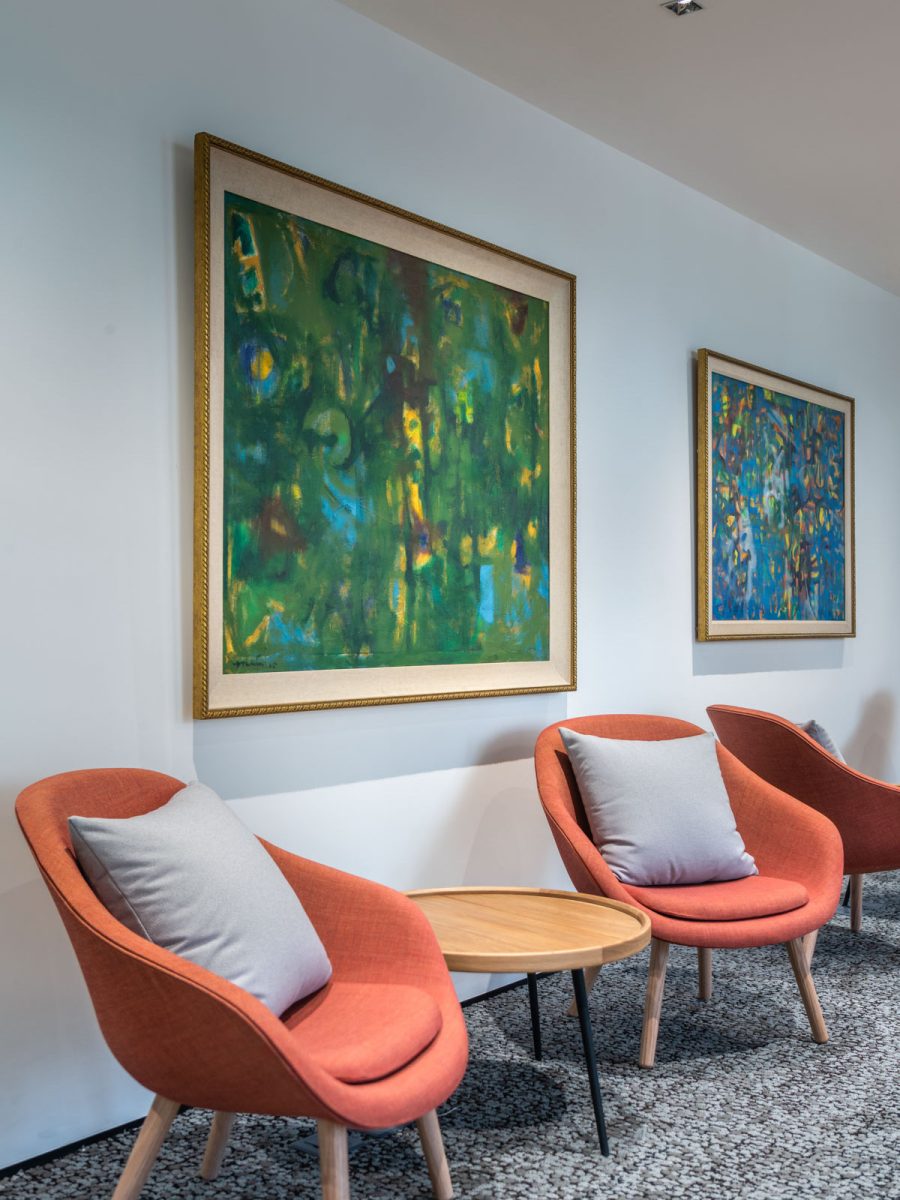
(775, 512)
(384, 465)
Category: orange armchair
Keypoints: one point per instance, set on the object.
(866, 811)
(382, 1044)
(798, 853)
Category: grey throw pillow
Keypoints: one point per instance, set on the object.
(659, 811)
(192, 878)
(820, 734)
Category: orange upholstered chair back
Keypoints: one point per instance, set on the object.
(160, 1014)
(44, 809)
(561, 799)
(866, 811)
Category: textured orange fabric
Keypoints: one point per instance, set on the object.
(737, 900)
(390, 1025)
(194, 1037)
(865, 810)
(787, 839)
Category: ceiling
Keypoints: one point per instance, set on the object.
(785, 110)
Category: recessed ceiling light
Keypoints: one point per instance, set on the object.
(680, 7)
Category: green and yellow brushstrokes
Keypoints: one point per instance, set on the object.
(386, 455)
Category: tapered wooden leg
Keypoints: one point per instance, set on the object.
(217, 1144)
(656, 982)
(429, 1128)
(809, 945)
(704, 964)
(144, 1151)
(590, 978)
(856, 889)
(334, 1161)
(800, 963)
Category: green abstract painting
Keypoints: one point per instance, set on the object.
(386, 456)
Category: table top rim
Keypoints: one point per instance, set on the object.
(532, 892)
(474, 957)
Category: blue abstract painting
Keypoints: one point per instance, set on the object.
(778, 505)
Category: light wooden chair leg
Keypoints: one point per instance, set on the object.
(590, 978)
(429, 1128)
(217, 1144)
(856, 890)
(704, 965)
(656, 982)
(809, 945)
(800, 963)
(334, 1160)
(145, 1150)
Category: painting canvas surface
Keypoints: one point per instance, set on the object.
(778, 497)
(386, 465)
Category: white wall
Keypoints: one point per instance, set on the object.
(99, 102)
(467, 825)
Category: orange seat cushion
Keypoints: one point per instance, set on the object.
(737, 900)
(360, 1032)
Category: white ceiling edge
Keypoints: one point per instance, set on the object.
(785, 111)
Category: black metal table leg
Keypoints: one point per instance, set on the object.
(535, 1016)
(587, 1039)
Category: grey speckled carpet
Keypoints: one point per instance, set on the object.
(741, 1103)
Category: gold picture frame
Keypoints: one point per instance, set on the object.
(287, 616)
(776, 539)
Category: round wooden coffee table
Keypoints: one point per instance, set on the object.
(493, 929)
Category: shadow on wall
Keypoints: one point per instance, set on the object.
(868, 748)
(510, 849)
(512, 845)
(762, 655)
(289, 752)
(50, 1043)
